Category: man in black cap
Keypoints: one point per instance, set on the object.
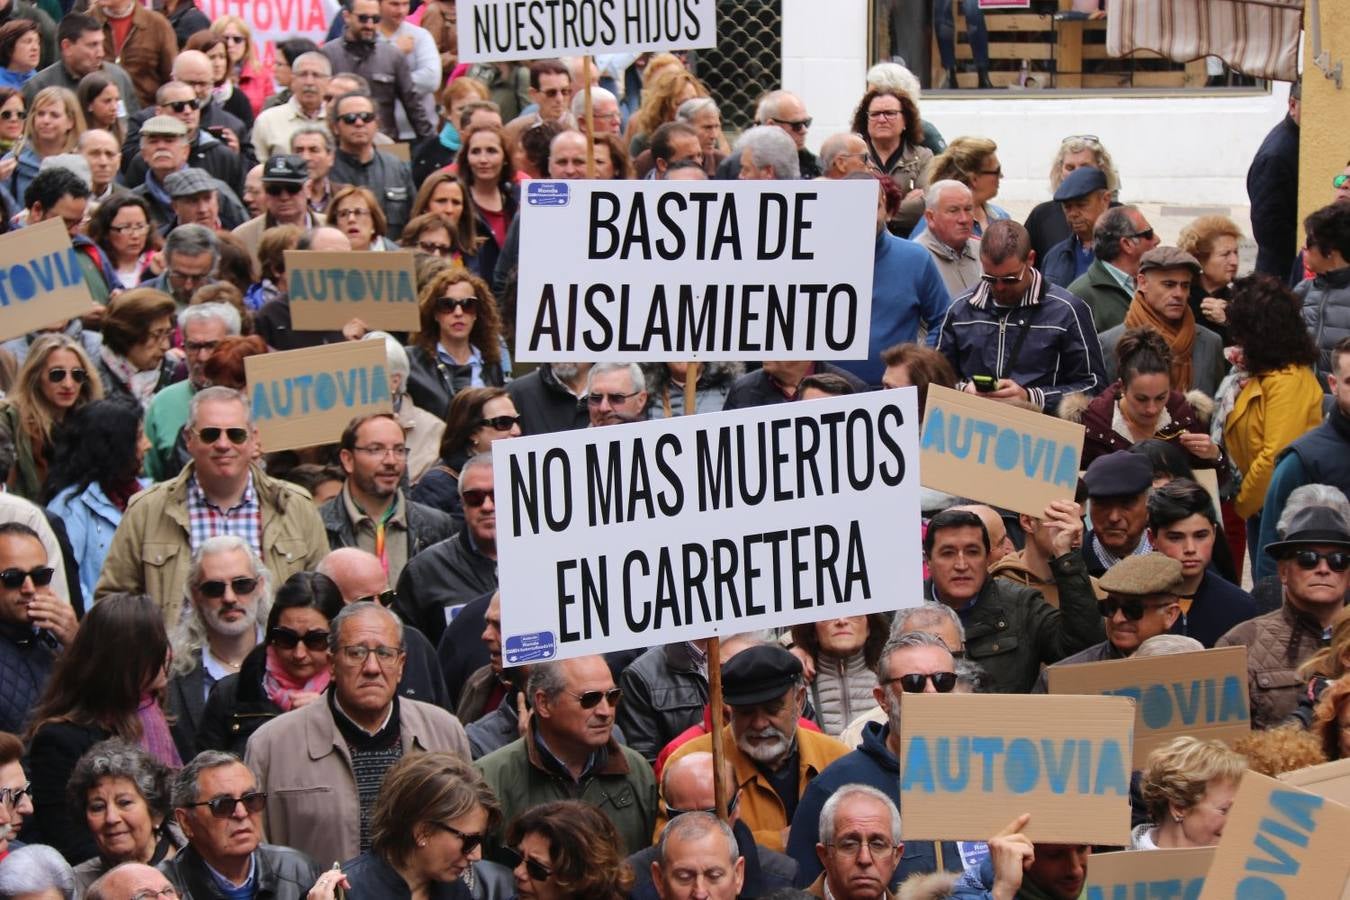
(1083, 196)
(773, 758)
(1117, 485)
(285, 201)
(1314, 568)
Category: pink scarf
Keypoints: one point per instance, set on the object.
(155, 737)
(281, 688)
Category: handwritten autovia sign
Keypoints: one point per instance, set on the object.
(1148, 874)
(41, 282)
(305, 397)
(328, 290)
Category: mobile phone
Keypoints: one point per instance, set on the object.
(984, 383)
(216, 131)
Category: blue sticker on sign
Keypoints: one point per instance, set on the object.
(546, 193)
(528, 648)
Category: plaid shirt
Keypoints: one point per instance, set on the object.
(206, 520)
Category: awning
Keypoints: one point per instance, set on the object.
(1256, 37)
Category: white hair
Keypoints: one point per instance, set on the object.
(396, 358)
(830, 811)
(1307, 495)
(190, 635)
(221, 312)
(597, 94)
(36, 869)
(889, 76)
(770, 146)
(933, 195)
(1166, 645)
(635, 376)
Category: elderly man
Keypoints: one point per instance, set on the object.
(697, 857)
(1314, 567)
(315, 145)
(274, 128)
(786, 112)
(843, 154)
(218, 805)
(775, 760)
(321, 765)
(1083, 195)
(82, 51)
(766, 154)
(859, 845)
(35, 622)
(382, 65)
(605, 113)
(99, 149)
(199, 199)
(1010, 629)
(208, 153)
(949, 211)
(569, 752)
(671, 144)
(1017, 869)
(194, 69)
(220, 491)
(911, 662)
(549, 398)
(1117, 487)
(191, 254)
(1120, 239)
(359, 163)
(616, 394)
(131, 881)
(164, 148)
(285, 201)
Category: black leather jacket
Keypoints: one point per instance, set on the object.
(664, 692)
(282, 874)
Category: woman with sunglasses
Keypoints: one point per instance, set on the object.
(56, 379)
(1187, 786)
(137, 332)
(123, 229)
(432, 233)
(567, 850)
(290, 669)
(108, 683)
(12, 115)
(99, 455)
(485, 170)
(478, 417)
(252, 76)
(888, 120)
(20, 52)
(53, 126)
(356, 213)
(459, 344)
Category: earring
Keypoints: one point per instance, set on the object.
(424, 843)
(1177, 819)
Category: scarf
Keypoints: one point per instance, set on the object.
(119, 495)
(281, 688)
(155, 737)
(140, 385)
(1181, 338)
(449, 137)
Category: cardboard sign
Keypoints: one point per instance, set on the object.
(645, 271)
(305, 397)
(399, 150)
(502, 30)
(1203, 694)
(1280, 842)
(1147, 874)
(272, 21)
(998, 454)
(972, 763)
(642, 534)
(328, 290)
(41, 282)
(1330, 780)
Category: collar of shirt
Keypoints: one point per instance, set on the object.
(1122, 277)
(475, 357)
(228, 886)
(1109, 559)
(357, 515)
(298, 112)
(198, 496)
(1122, 428)
(337, 705)
(593, 760)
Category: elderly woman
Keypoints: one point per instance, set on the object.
(36, 873)
(888, 120)
(137, 332)
(1046, 223)
(459, 344)
(123, 230)
(1188, 787)
(477, 418)
(356, 213)
(122, 794)
(1213, 241)
(844, 653)
(20, 52)
(567, 850)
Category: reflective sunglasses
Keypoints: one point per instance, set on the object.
(672, 811)
(353, 118)
(56, 376)
(500, 423)
(1004, 279)
(236, 39)
(914, 682)
(591, 699)
(211, 434)
(535, 869)
(223, 807)
(450, 304)
(474, 498)
(10, 115)
(384, 598)
(1338, 182)
(13, 579)
(614, 399)
(1338, 560)
(316, 639)
(216, 589)
(182, 106)
(1132, 609)
(276, 190)
(470, 842)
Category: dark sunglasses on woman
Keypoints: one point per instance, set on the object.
(315, 640)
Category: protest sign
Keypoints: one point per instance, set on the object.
(972, 763)
(328, 290)
(1330, 780)
(1280, 843)
(675, 270)
(998, 454)
(1147, 874)
(305, 397)
(41, 282)
(1203, 694)
(271, 21)
(502, 30)
(664, 531)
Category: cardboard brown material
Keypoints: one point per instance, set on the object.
(328, 290)
(41, 282)
(1202, 694)
(1135, 874)
(1330, 780)
(399, 150)
(305, 397)
(972, 763)
(997, 454)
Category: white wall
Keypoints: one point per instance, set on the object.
(1187, 150)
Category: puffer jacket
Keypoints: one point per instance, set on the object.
(663, 694)
(282, 873)
(1326, 312)
(1277, 644)
(841, 691)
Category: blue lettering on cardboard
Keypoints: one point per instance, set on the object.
(1290, 825)
(351, 286)
(304, 394)
(943, 764)
(51, 271)
(957, 435)
(1162, 889)
(1205, 700)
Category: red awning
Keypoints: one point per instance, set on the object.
(1257, 37)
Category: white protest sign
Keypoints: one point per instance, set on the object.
(508, 30)
(671, 530)
(684, 270)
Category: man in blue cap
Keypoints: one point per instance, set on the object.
(1118, 485)
(1083, 196)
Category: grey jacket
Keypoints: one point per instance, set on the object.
(1326, 312)
(841, 691)
(390, 77)
(1208, 365)
(388, 178)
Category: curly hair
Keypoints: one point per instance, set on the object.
(1330, 661)
(962, 160)
(117, 758)
(878, 630)
(909, 111)
(1199, 236)
(1179, 773)
(1265, 320)
(584, 849)
(1326, 721)
(1280, 750)
(1101, 159)
(487, 323)
(661, 99)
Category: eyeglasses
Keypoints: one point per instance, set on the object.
(1338, 560)
(368, 18)
(9, 115)
(56, 376)
(380, 451)
(223, 807)
(316, 639)
(450, 304)
(474, 498)
(133, 228)
(13, 579)
(158, 334)
(352, 118)
(799, 126)
(190, 277)
(879, 848)
(200, 346)
(1338, 182)
(470, 842)
(552, 93)
(235, 39)
(182, 106)
(614, 399)
(211, 434)
(500, 423)
(672, 811)
(883, 114)
(12, 797)
(434, 248)
(1146, 234)
(241, 586)
(591, 699)
(914, 682)
(384, 598)
(359, 212)
(357, 654)
(168, 893)
(1085, 138)
(1133, 610)
(276, 190)
(1004, 279)
(535, 869)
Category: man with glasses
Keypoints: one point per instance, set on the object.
(218, 805)
(569, 753)
(191, 253)
(132, 881)
(193, 68)
(206, 152)
(35, 623)
(321, 765)
(843, 154)
(786, 111)
(616, 394)
(359, 163)
(1314, 568)
(1084, 196)
(285, 201)
(859, 845)
(550, 94)
(274, 128)
(220, 491)
(1120, 239)
(384, 68)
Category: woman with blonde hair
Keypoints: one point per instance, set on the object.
(1046, 223)
(661, 98)
(973, 162)
(459, 344)
(247, 71)
(1188, 787)
(1213, 241)
(54, 126)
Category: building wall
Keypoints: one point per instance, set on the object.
(1323, 148)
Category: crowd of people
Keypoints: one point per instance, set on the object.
(235, 673)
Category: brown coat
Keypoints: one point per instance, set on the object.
(148, 52)
(1277, 644)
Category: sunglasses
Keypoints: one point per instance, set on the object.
(384, 598)
(500, 423)
(368, 19)
(1146, 234)
(216, 589)
(451, 304)
(236, 39)
(434, 248)
(1004, 279)
(10, 115)
(914, 682)
(182, 106)
(56, 376)
(1338, 182)
(470, 842)
(672, 812)
(614, 399)
(353, 118)
(223, 807)
(799, 126)
(557, 92)
(474, 498)
(211, 434)
(1085, 138)
(13, 579)
(1338, 560)
(535, 869)
(276, 190)
(315, 639)
(591, 699)
(1132, 609)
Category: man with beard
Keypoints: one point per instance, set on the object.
(371, 511)
(616, 393)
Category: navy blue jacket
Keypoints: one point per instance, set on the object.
(1060, 263)
(1272, 188)
(1217, 607)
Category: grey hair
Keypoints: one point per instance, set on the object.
(933, 195)
(353, 610)
(396, 358)
(189, 635)
(597, 94)
(635, 376)
(314, 56)
(903, 641)
(546, 678)
(830, 811)
(1166, 645)
(695, 825)
(221, 312)
(769, 145)
(116, 758)
(193, 240)
(1307, 495)
(310, 128)
(1113, 227)
(927, 615)
(185, 782)
(770, 105)
(895, 77)
(689, 109)
(477, 461)
(972, 677)
(218, 394)
(834, 145)
(35, 869)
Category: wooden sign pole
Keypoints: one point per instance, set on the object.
(590, 118)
